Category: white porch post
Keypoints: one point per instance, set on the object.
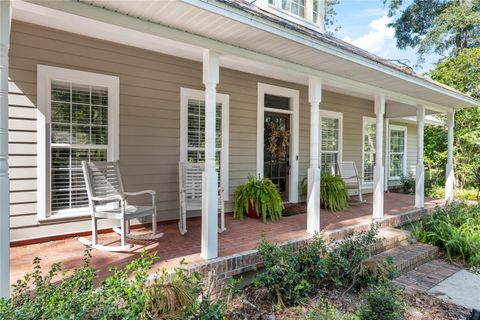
(449, 174)
(313, 196)
(211, 67)
(5, 22)
(378, 172)
(420, 170)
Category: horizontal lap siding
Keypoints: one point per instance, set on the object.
(149, 119)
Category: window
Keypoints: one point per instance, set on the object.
(192, 134)
(306, 13)
(330, 140)
(297, 7)
(369, 141)
(397, 151)
(80, 111)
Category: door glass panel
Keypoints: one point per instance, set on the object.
(276, 150)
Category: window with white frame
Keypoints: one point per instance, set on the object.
(192, 136)
(397, 151)
(80, 112)
(369, 141)
(330, 140)
(303, 12)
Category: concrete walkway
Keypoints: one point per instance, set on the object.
(444, 281)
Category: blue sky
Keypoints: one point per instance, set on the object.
(363, 23)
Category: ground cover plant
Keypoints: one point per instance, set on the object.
(127, 293)
(456, 229)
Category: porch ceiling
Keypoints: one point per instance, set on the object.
(251, 45)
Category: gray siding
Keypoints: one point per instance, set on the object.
(149, 119)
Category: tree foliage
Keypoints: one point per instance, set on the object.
(461, 72)
(445, 27)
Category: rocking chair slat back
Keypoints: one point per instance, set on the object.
(103, 179)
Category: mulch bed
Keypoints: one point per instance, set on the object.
(255, 305)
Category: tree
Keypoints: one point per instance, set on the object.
(461, 72)
(445, 27)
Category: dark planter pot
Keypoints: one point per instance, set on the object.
(252, 213)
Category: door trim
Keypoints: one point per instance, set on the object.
(294, 96)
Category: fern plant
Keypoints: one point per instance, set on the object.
(333, 193)
(260, 194)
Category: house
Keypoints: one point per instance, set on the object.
(152, 83)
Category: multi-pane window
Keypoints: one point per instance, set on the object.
(296, 7)
(79, 131)
(330, 144)
(196, 131)
(397, 151)
(192, 134)
(369, 140)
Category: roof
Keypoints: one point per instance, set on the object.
(252, 8)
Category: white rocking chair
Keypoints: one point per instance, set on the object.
(353, 181)
(108, 200)
(190, 182)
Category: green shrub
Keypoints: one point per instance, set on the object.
(261, 194)
(343, 260)
(460, 194)
(289, 277)
(292, 277)
(407, 183)
(455, 228)
(126, 294)
(382, 302)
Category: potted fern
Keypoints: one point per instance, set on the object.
(333, 193)
(258, 198)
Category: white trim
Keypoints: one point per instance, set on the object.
(294, 96)
(45, 76)
(331, 115)
(405, 149)
(224, 100)
(366, 121)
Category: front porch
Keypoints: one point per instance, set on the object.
(239, 241)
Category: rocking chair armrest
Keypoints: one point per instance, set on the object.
(152, 192)
(108, 198)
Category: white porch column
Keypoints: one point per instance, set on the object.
(211, 67)
(449, 174)
(378, 172)
(420, 170)
(313, 196)
(5, 22)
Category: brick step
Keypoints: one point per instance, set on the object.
(408, 257)
(390, 238)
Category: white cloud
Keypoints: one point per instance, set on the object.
(379, 39)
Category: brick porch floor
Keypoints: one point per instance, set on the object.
(239, 236)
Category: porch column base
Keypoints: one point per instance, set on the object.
(209, 214)
(449, 182)
(378, 192)
(313, 201)
(420, 186)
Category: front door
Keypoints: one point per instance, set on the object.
(276, 153)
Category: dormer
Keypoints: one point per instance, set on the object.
(307, 13)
